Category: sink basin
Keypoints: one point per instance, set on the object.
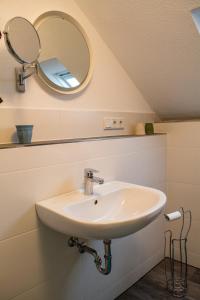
(116, 209)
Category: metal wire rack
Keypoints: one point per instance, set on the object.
(175, 254)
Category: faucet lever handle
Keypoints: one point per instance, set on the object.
(88, 172)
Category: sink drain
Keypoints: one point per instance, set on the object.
(95, 202)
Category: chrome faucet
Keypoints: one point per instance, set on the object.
(89, 180)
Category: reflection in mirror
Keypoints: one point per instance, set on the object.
(64, 62)
(58, 74)
(22, 40)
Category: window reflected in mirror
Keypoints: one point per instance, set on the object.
(58, 74)
(64, 62)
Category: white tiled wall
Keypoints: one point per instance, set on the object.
(61, 124)
(35, 261)
(183, 177)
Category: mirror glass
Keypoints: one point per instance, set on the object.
(65, 61)
(22, 40)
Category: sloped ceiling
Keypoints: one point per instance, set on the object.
(158, 45)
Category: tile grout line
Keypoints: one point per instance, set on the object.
(81, 161)
(19, 235)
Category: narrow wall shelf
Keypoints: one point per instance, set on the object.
(74, 140)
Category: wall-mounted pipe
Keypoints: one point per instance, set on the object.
(82, 247)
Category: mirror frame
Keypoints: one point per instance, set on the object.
(41, 75)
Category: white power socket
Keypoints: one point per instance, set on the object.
(113, 123)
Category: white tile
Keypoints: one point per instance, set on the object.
(21, 190)
(185, 195)
(57, 124)
(151, 238)
(46, 123)
(52, 290)
(31, 258)
(181, 134)
(193, 240)
(183, 176)
(183, 165)
(90, 123)
(146, 167)
(43, 291)
(35, 157)
(194, 259)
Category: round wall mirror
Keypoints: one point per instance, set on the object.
(64, 63)
(22, 40)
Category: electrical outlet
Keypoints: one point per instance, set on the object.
(120, 123)
(113, 123)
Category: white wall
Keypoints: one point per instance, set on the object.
(158, 45)
(183, 177)
(110, 89)
(35, 262)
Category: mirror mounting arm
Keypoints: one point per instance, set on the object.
(26, 67)
(21, 76)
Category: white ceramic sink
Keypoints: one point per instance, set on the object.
(115, 210)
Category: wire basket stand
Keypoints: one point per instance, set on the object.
(176, 267)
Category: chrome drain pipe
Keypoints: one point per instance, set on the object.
(82, 248)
